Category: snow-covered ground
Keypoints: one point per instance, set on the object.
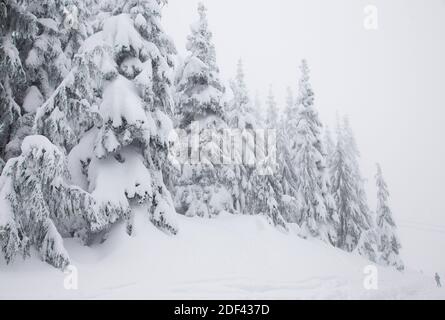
(423, 247)
(229, 257)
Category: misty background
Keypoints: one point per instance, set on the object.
(389, 81)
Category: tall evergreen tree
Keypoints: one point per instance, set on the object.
(316, 204)
(255, 172)
(240, 113)
(286, 146)
(286, 171)
(198, 189)
(121, 160)
(355, 229)
(389, 244)
(240, 117)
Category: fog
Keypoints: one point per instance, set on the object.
(390, 81)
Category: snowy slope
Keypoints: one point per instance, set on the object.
(423, 247)
(228, 257)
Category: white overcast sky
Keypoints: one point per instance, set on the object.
(391, 82)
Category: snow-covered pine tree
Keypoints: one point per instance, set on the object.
(39, 207)
(258, 186)
(289, 205)
(367, 245)
(198, 191)
(199, 75)
(240, 112)
(318, 218)
(388, 242)
(285, 147)
(264, 192)
(355, 230)
(264, 195)
(121, 159)
(239, 115)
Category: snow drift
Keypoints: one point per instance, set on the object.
(228, 257)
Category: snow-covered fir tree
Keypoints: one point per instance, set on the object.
(367, 245)
(287, 122)
(255, 171)
(120, 161)
(355, 231)
(264, 194)
(240, 111)
(39, 207)
(239, 114)
(198, 189)
(286, 172)
(316, 204)
(388, 242)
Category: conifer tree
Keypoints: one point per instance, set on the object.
(388, 242)
(39, 207)
(286, 145)
(355, 230)
(240, 113)
(241, 120)
(198, 190)
(316, 204)
(121, 159)
(264, 195)
(286, 170)
(256, 169)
